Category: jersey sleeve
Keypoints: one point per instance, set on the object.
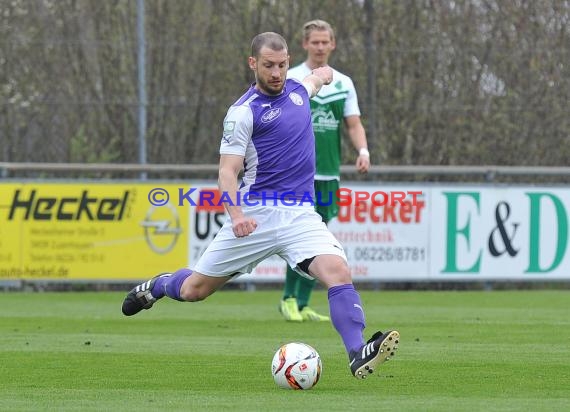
(299, 73)
(351, 104)
(306, 86)
(238, 128)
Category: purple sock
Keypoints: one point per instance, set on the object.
(170, 285)
(347, 315)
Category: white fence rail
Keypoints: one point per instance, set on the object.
(10, 169)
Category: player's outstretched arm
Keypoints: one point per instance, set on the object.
(230, 167)
(318, 77)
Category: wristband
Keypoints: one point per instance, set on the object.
(364, 152)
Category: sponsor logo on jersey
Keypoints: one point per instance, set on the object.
(271, 115)
(324, 120)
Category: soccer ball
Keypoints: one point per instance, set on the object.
(296, 366)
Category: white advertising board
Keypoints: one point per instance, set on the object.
(455, 232)
(518, 233)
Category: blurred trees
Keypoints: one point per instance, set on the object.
(439, 81)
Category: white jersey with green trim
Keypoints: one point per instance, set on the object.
(329, 107)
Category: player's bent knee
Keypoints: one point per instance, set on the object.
(331, 270)
(343, 276)
(191, 294)
(341, 271)
(340, 274)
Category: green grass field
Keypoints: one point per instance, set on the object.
(459, 351)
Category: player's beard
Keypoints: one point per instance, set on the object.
(269, 88)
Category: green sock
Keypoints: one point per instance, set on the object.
(291, 278)
(304, 291)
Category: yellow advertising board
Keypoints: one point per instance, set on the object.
(89, 231)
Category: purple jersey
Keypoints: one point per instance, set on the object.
(275, 136)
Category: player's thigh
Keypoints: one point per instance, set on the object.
(331, 270)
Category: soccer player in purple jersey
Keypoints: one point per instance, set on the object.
(266, 132)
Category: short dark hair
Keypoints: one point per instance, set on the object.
(268, 39)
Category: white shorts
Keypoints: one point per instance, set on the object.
(293, 233)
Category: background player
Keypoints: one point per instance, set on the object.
(333, 103)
